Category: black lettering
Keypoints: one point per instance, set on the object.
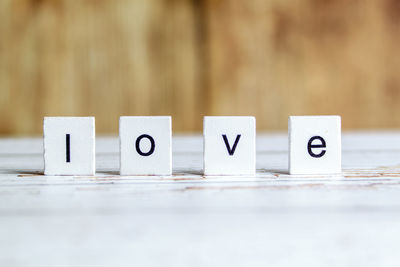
(152, 145)
(68, 147)
(310, 146)
(231, 151)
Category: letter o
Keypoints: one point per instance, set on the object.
(152, 145)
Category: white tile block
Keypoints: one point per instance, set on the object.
(315, 145)
(229, 145)
(69, 145)
(145, 145)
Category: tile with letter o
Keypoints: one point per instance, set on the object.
(229, 145)
(145, 145)
(315, 145)
(69, 145)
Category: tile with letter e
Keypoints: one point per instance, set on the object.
(145, 145)
(69, 145)
(315, 145)
(229, 145)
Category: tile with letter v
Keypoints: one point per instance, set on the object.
(229, 145)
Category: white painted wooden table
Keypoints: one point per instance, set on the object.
(272, 219)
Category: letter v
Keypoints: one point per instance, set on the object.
(231, 151)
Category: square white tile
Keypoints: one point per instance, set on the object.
(229, 145)
(315, 145)
(69, 145)
(145, 145)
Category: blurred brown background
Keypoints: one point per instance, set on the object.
(190, 58)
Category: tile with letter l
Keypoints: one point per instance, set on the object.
(315, 145)
(229, 145)
(69, 145)
(145, 145)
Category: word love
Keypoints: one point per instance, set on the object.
(229, 145)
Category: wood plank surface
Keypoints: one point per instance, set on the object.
(190, 220)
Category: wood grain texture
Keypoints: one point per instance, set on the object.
(189, 58)
(277, 58)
